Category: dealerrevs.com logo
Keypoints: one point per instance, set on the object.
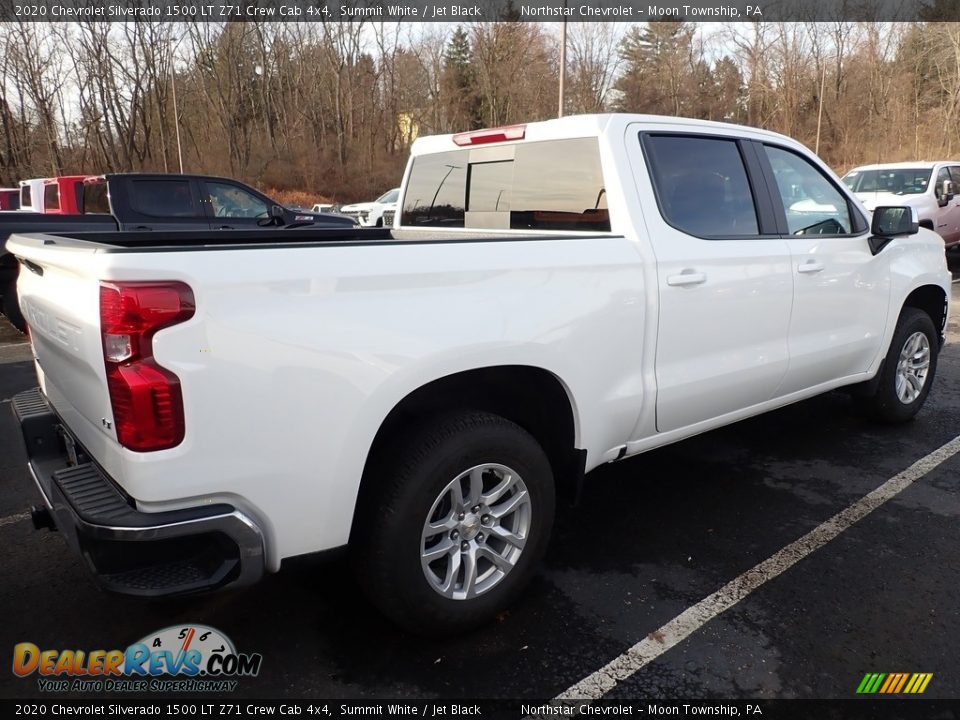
(192, 658)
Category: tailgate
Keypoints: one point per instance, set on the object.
(60, 297)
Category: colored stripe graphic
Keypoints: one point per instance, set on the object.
(894, 683)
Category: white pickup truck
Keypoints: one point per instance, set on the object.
(927, 186)
(555, 296)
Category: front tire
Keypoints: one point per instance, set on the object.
(908, 370)
(456, 520)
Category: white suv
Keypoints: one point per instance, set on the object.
(370, 214)
(927, 186)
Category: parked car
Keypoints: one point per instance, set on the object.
(9, 199)
(930, 187)
(143, 201)
(554, 297)
(370, 214)
(324, 207)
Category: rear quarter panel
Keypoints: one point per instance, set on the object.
(296, 355)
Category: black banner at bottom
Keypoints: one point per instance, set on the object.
(912, 709)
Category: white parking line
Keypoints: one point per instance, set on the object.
(594, 686)
(11, 519)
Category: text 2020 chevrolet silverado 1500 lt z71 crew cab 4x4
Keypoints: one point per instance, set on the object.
(421, 394)
(143, 201)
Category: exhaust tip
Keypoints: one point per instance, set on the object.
(41, 518)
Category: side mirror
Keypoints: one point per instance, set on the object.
(276, 212)
(948, 192)
(890, 222)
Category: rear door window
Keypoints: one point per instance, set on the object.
(163, 198)
(701, 185)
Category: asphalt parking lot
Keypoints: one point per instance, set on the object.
(650, 538)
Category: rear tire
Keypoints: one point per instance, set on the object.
(455, 520)
(908, 370)
(11, 308)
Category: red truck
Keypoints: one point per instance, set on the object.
(62, 195)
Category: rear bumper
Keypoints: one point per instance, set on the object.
(175, 552)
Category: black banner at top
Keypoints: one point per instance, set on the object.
(462, 11)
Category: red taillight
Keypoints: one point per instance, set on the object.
(146, 399)
(493, 135)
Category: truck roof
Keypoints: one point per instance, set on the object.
(913, 164)
(587, 126)
(190, 176)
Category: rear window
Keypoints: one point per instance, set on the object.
(549, 185)
(163, 198)
(51, 197)
(96, 200)
(9, 199)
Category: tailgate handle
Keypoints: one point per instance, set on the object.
(33, 267)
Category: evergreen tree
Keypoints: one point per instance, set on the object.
(458, 84)
(657, 75)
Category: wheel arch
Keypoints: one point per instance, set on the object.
(932, 300)
(532, 397)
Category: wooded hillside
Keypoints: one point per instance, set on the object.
(330, 109)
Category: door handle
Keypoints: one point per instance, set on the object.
(686, 277)
(225, 227)
(810, 266)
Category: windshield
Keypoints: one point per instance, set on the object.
(389, 197)
(899, 181)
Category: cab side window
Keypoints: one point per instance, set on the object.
(51, 197)
(163, 197)
(813, 205)
(701, 185)
(942, 177)
(230, 201)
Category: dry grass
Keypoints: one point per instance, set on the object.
(296, 198)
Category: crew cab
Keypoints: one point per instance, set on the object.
(140, 201)
(554, 296)
(927, 186)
